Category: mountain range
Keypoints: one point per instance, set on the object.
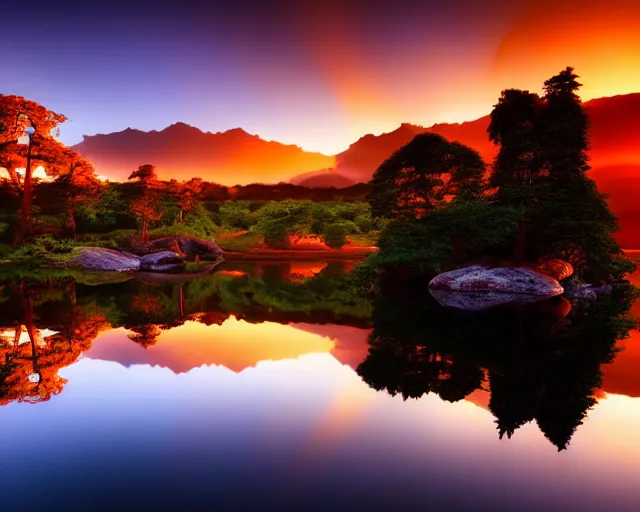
(236, 157)
(180, 151)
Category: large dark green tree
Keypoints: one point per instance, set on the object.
(423, 174)
(541, 166)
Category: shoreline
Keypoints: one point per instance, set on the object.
(298, 254)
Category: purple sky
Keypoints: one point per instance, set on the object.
(319, 77)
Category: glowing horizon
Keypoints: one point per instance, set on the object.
(318, 77)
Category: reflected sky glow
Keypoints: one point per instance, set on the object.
(299, 426)
(294, 424)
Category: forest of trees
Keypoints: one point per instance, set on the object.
(75, 204)
(434, 204)
(445, 208)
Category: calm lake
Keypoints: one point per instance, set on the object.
(276, 386)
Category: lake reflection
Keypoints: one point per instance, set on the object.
(256, 387)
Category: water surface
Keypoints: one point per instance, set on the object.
(276, 386)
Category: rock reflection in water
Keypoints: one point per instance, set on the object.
(540, 363)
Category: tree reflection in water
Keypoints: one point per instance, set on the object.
(540, 363)
(29, 360)
(47, 323)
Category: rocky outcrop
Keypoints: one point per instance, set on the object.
(99, 258)
(163, 261)
(557, 269)
(187, 247)
(478, 287)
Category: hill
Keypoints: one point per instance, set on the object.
(181, 151)
(323, 179)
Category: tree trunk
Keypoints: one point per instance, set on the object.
(70, 224)
(145, 236)
(181, 216)
(521, 244)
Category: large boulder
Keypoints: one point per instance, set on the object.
(99, 258)
(186, 246)
(558, 269)
(163, 261)
(478, 287)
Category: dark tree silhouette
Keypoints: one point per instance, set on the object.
(541, 364)
(422, 175)
(541, 167)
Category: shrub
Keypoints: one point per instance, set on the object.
(335, 235)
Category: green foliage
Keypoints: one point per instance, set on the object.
(452, 234)
(42, 248)
(197, 223)
(120, 238)
(239, 243)
(365, 278)
(335, 234)
(365, 222)
(541, 167)
(169, 209)
(278, 221)
(236, 215)
(275, 232)
(422, 175)
(106, 212)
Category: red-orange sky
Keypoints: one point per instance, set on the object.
(316, 74)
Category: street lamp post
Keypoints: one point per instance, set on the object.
(26, 193)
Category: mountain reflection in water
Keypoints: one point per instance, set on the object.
(287, 371)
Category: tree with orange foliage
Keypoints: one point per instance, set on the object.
(17, 116)
(146, 207)
(77, 178)
(189, 195)
(29, 371)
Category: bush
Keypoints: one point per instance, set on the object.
(43, 247)
(335, 235)
(451, 235)
(365, 222)
(365, 278)
(236, 215)
(275, 233)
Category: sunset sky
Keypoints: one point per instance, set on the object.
(319, 77)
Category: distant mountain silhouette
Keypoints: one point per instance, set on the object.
(323, 179)
(181, 151)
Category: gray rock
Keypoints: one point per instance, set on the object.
(163, 261)
(186, 246)
(587, 292)
(99, 258)
(478, 287)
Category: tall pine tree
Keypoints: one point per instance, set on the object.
(542, 165)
